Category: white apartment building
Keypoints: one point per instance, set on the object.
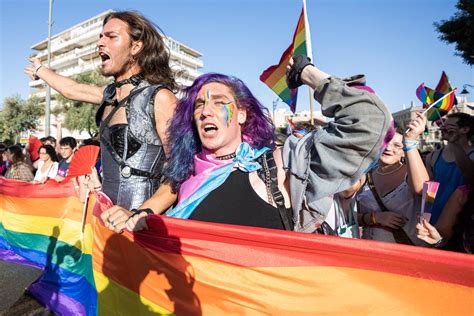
(282, 114)
(74, 51)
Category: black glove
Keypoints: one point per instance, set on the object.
(293, 77)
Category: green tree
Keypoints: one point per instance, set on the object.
(459, 30)
(80, 116)
(18, 115)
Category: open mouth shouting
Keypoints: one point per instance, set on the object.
(104, 57)
(209, 129)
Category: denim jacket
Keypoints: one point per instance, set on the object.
(332, 159)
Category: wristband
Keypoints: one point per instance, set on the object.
(149, 211)
(37, 67)
(409, 148)
(438, 243)
(409, 142)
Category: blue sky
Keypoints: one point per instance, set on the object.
(392, 41)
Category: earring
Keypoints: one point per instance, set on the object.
(403, 160)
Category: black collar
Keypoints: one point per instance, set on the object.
(135, 80)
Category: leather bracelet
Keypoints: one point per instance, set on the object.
(438, 243)
(135, 211)
(36, 69)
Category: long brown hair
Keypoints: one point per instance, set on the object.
(154, 56)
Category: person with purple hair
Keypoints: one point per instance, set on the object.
(225, 168)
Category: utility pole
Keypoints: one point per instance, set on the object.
(274, 108)
(47, 112)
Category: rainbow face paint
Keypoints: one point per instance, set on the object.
(228, 111)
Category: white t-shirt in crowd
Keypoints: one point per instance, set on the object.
(50, 173)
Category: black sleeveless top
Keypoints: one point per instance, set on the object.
(235, 202)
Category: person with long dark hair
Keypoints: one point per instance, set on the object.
(18, 170)
(134, 110)
(48, 164)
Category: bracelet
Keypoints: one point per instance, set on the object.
(372, 218)
(409, 148)
(98, 188)
(438, 243)
(36, 69)
(149, 211)
(409, 142)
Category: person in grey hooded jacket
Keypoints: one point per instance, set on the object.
(336, 157)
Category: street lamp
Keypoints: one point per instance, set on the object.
(464, 88)
(47, 112)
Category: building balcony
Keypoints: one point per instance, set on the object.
(186, 59)
(61, 46)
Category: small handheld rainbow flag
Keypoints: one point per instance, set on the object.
(275, 76)
(442, 92)
(430, 188)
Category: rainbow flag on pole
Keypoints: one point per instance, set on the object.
(428, 96)
(275, 76)
(186, 267)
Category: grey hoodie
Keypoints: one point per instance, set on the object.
(332, 159)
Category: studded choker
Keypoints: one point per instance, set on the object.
(226, 157)
(135, 80)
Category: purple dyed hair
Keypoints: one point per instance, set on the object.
(257, 130)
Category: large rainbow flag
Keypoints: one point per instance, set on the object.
(428, 96)
(186, 267)
(275, 76)
(40, 225)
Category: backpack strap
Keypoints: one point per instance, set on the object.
(269, 175)
(399, 234)
(434, 159)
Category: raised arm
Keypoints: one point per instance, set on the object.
(69, 88)
(334, 158)
(417, 173)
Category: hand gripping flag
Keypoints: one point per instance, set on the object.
(429, 96)
(275, 76)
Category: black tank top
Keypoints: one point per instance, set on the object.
(236, 202)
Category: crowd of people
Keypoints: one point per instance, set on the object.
(214, 155)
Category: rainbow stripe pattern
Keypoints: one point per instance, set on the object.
(187, 267)
(427, 96)
(275, 76)
(40, 225)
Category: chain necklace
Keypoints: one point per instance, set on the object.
(387, 173)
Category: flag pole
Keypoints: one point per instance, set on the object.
(434, 103)
(309, 54)
(84, 213)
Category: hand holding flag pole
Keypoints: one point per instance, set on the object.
(434, 103)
